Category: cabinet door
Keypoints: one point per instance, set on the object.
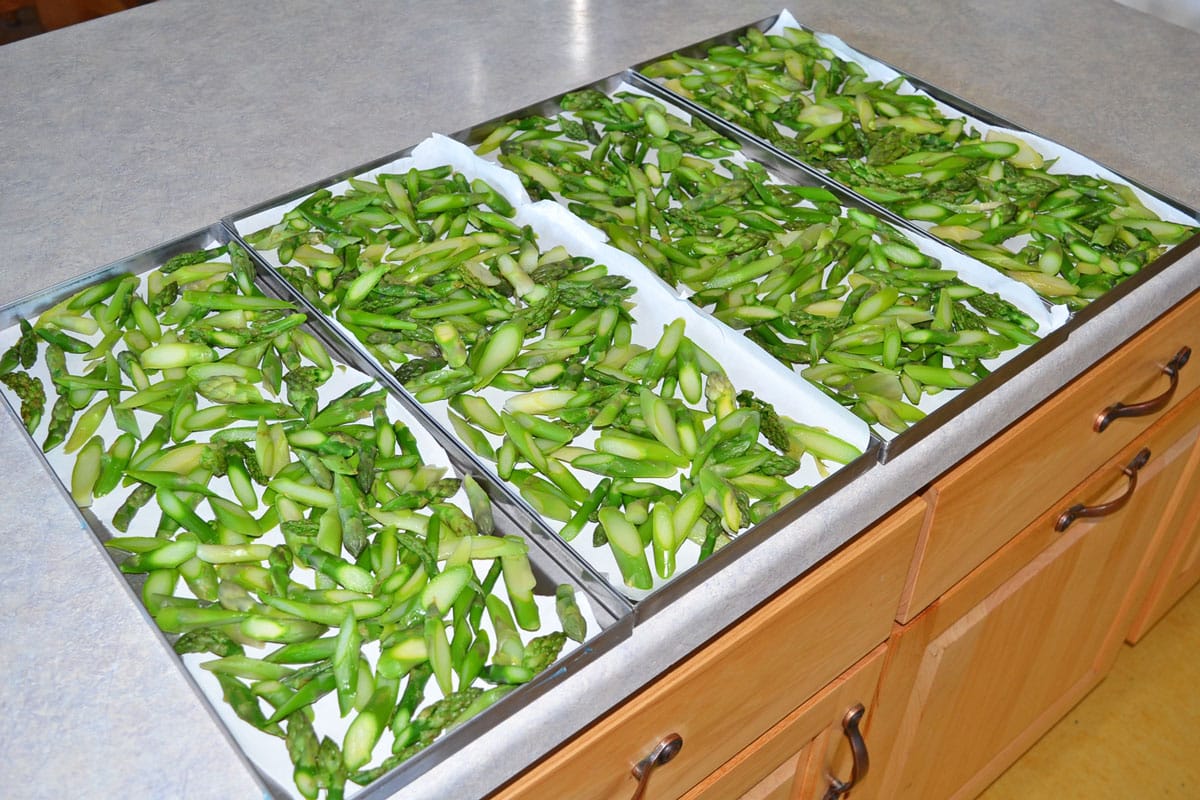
(992, 664)
(734, 689)
(796, 757)
(1176, 569)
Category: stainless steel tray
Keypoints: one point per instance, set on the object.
(955, 102)
(517, 505)
(786, 170)
(552, 562)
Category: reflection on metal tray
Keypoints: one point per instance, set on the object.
(552, 563)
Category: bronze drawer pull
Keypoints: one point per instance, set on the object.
(858, 747)
(663, 752)
(1112, 506)
(1118, 410)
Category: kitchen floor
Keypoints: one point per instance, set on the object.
(1136, 735)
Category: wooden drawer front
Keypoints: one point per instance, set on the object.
(800, 750)
(1181, 570)
(997, 660)
(732, 690)
(985, 500)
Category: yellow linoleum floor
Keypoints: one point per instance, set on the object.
(1137, 735)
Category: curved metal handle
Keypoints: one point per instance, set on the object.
(663, 752)
(1112, 506)
(858, 747)
(1154, 404)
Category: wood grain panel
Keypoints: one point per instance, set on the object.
(990, 666)
(731, 691)
(1173, 566)
(994, 493)
(806, 739)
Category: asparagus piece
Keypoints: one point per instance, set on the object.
(627, 548)
(570, 617)
(31, 393)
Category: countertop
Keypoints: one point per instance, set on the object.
(127, 131)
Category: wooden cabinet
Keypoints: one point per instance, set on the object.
(730, 692)
(1172, 566)
(796, 758)
(976, 678)
(986, 499)
(966, 622)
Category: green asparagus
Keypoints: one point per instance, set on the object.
(290, 621)
(1069, 237)
(474, 307)
(830, 290)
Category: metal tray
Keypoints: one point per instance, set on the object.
(787, 170)
(517, 505)
(956, 103)
(552, 562)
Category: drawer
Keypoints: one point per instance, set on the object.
(732, 690)
(986, 499)
(1169, 442)
(982, 673)
(796, 756)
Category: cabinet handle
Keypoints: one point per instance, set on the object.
(663, 752)
(1112, 506)
(1154, 404)
(858, 748)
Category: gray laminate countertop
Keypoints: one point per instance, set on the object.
(124, 132)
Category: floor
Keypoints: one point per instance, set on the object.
(1137, 735)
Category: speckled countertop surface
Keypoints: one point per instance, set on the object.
(133, 129)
